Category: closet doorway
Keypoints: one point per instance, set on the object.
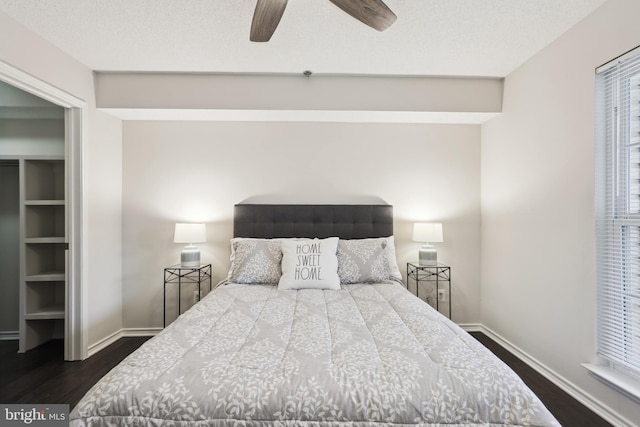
(33, 235)
(41, 187)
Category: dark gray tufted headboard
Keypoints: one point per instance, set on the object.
(344, 221)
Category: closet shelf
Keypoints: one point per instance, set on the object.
(44, 240)
(53, 202)
(46, 313)
(46, 276)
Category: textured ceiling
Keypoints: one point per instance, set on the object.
(430, 37)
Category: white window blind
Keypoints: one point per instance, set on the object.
(618, 213)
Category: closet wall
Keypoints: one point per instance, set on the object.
(9, 245)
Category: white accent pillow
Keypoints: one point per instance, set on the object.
(310, 264)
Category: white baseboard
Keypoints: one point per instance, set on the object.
(471, 327)
(9, 336)
(567, 386)
(125, 332)
(104, 343)
(140, 332)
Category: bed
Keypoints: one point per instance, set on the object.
(367, 352)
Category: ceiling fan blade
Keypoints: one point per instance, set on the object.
(374, 13)
(266, 18)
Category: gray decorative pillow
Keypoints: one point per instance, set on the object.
(363, 260)
(393, 263)
(255, 261)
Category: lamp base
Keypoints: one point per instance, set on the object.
(190, 257)
(427, 255)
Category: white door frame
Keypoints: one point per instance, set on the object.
(76, 118)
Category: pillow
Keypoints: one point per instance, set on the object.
(363, 260)
(393, 263)
(309, 264)
(255, 261)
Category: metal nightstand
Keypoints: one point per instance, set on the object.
(184, 276)
(438, 273)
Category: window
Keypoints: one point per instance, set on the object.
(618, 222)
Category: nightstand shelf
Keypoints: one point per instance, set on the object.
(436, 274)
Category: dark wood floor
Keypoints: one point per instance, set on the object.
(40, 376)
(568, 411)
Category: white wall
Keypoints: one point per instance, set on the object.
(102, 181)
(538, 275)
(103, 161)
(197, 171)
(20, 137)
(11, 96)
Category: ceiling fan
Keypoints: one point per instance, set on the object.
(266, 17)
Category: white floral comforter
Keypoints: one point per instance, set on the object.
(363, 355)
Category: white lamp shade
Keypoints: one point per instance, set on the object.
(427, 232)
(190, 233)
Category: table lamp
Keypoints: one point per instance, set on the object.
(190, 233)
(427, 233)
